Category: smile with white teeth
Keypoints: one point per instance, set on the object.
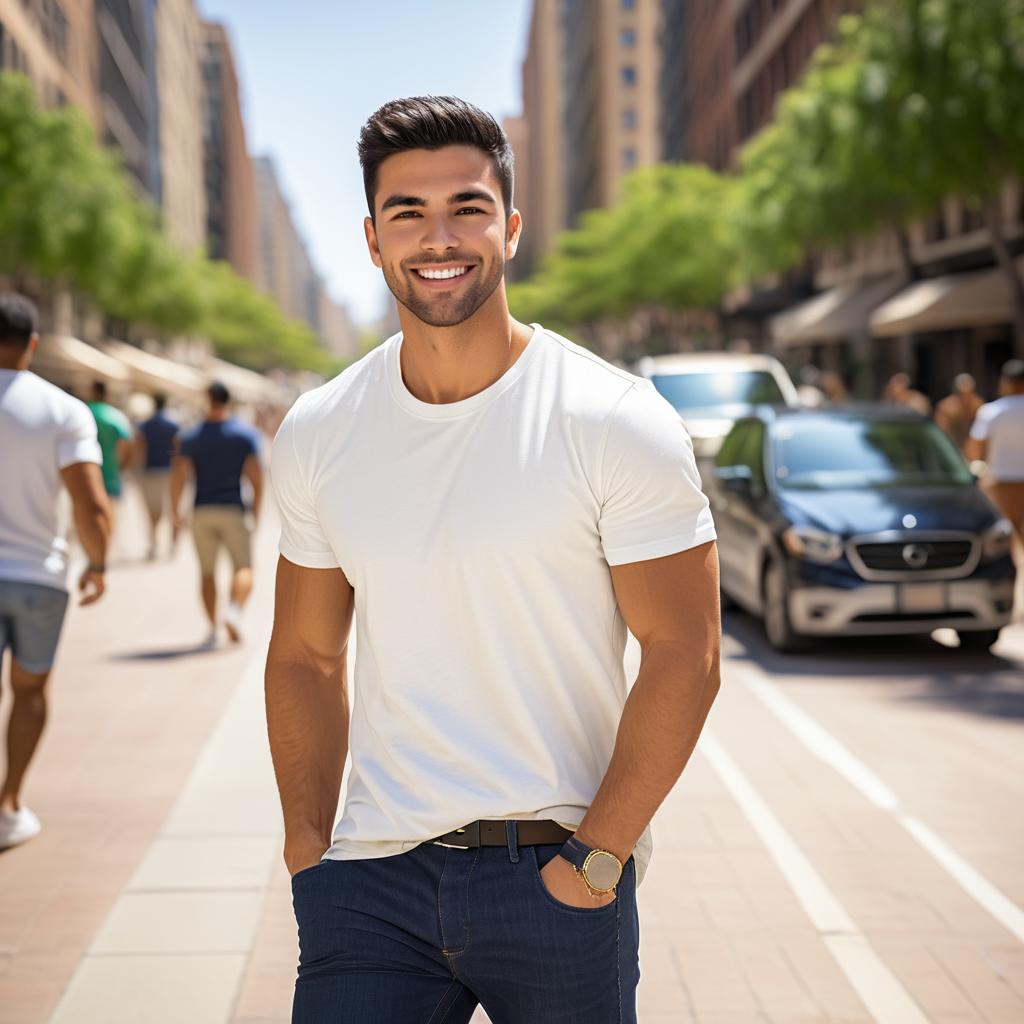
(442, 275)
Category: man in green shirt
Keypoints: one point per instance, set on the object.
(115, 437)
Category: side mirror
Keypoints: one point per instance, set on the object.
(737, 479)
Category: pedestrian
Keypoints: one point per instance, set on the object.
(115, 437)
(155, 446)
(831, 383)
(809, 389)
(956, 412)
(997, 438)
(496, 505)
(217, 454)
(49, 440)
(899, 392)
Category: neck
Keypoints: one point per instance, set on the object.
(217, 415)
(448, 364)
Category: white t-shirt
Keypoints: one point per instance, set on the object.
(42, 430)
(477, 536)
(1001, 424)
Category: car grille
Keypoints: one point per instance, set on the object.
(914, 556)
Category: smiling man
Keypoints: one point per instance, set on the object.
(496, 505)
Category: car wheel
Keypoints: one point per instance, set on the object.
(980, 640)
(777, 626)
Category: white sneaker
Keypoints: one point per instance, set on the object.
(17, 827)
(211, 641)
(233, 622)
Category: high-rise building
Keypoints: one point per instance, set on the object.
(54, 43)
(180, 90)
(672, 99)
(591, 82)
(711, 115)
(129, 102)
(228, 172)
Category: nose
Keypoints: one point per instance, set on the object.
(438, 234)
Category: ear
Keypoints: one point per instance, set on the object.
(513, 233)
(371, 241)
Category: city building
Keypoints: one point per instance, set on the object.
(673, 102)
(180, 90)
(228, 173)
(337, 331)
(128, 96)
(53, 42)
(711, 116)
(518, 134)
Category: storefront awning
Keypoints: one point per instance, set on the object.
(946, 303)
(841, 312)
(72, 363)
(149, 372)
(244, 385)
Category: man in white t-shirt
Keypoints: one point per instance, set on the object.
(49, 440)
(997, 438)
(496, 505)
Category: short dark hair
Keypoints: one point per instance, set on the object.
(1014, 370)
(159, 401)
(18, 318)
(99, 390)
(218, 393)
(432, 122)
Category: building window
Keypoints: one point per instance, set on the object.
(628, 158)
(629, 119)
(628, 75)
(627, 37)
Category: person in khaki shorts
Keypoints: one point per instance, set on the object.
(218, 453)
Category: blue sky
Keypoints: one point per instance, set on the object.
(312, 71)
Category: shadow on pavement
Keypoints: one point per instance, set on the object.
(169, 653)
(916, 669)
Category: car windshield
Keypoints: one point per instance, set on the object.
(819, 452)
(690, 391)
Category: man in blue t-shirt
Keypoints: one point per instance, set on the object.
(155, 446)
(218, 454)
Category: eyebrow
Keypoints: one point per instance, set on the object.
(470, 196)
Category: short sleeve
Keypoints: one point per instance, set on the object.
(652, 504)
(302, 537)
(123, 426)
(982, 419)
(77, 440)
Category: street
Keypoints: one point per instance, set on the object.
(845, 844)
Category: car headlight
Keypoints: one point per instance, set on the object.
(996, 540)
(813, 544)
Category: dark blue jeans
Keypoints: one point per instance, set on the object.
(424, 936)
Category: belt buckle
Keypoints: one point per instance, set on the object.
(472, 833)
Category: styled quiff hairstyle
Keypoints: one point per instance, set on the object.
(432, 122)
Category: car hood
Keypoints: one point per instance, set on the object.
(712, 421)
(871, 511)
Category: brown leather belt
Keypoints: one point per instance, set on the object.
(492, 833)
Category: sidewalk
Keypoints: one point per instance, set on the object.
(157, 894)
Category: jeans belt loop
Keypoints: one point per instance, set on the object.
(513, 841)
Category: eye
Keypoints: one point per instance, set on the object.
(470, 209)
(405, 213)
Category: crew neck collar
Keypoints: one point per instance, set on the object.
(451, 410)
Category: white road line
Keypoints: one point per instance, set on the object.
(886, 999)
(820, 742)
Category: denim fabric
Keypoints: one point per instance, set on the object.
(424, 936)
(31, 617)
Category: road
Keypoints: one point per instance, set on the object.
(846, 844)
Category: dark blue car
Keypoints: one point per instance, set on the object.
(856, 521)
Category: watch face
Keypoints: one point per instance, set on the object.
(602, 870)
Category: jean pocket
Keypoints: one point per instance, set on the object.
(537, 866)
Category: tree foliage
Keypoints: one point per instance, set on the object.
(69, 214)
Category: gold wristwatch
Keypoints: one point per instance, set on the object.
(599, 869)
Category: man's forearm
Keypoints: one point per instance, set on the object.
(307, 722)
(93, 523)
(660, 724)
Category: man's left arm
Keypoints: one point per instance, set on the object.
(671, 606)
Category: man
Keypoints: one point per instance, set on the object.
(218, 454)
(497, 505)
(899, 392)
(48, 439)
(956, 412)
(115, 437)
(155, 446)
(997, 438)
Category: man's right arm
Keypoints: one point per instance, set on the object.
(93, 521)
(307, 703)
